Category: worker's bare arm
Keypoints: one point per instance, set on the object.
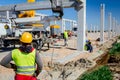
(39, 64)
(6, 61)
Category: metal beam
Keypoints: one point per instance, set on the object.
(42, 5)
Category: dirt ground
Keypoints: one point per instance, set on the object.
(56, 52)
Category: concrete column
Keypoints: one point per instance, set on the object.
(55, 22)
(94, 29)
(81, 27)
(113, 27)
(116, 28)
(91, 28)
(102, 23)
(7, 14)
(86, 27)
(63, 25)
(97, 28)
(109, 25)
(71, 25)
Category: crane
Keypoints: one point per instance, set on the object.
(79, 5)
(30, 13)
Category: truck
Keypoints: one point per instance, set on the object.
(10, 33)
(12, 28)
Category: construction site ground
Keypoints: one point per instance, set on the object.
(61, 62)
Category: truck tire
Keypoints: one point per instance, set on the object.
(5, 45)
(35, 45)
(40, 45)
(1, 42)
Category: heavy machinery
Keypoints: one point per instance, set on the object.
(30, 13)
(14, 27)
(79, 5)
(10, 33)
(11, 29)
(54, 30)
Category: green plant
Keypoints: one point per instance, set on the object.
(115, 49)
(103, 73)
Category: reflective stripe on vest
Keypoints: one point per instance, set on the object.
(25, 62)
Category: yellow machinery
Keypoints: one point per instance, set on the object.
(30, 13)
(54, 30)
(35, 25)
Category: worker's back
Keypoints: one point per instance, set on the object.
(65, 35)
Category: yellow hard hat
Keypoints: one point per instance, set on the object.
(26, 37)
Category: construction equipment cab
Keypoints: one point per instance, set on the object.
(5, 27)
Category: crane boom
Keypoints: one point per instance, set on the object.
(30, 13)
(42, 5)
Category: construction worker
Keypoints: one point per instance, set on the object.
(27, 62)
(65, 35)
(88, 46)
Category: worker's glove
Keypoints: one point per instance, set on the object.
(13, 66)
(36, 73)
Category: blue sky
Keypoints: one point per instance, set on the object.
(92, 10)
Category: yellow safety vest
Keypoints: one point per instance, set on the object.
(25, 62)
(65, 35)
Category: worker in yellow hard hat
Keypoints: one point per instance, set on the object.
(27, 62)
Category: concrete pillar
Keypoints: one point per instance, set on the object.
(81, 27)
(91, 28)
(7, 14)
(102, 22)
(63, 25)
(55, 22)
(86, 27)
(97, 28)
(113, 26)
(116, 28)
(71, 24)
(94, 29)
(109, 25)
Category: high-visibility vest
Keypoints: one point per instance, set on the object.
(65, 35)
(25, 62)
